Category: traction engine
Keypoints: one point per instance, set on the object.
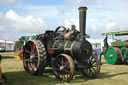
(65, 50)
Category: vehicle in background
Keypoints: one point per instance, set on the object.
(7, 46)
(2, 49)
(117, 51)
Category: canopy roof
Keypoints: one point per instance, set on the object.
(116, 33)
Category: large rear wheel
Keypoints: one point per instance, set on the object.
(64, 68)
(34, 57)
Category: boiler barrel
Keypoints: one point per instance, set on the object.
(80, 50)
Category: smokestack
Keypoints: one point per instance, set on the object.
(82, 21)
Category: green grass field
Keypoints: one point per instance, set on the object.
(110, 75)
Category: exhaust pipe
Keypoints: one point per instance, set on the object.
(82, 21)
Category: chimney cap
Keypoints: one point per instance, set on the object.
(83, 8)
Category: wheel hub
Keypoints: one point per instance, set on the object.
(61, 67)
(111, 56)
(90, 66)
(32, 56)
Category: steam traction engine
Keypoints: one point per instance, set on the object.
(117, 51)
(65, 50)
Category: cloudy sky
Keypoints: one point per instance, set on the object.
(26, 17)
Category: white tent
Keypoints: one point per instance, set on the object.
(98, 43)
(9, 45)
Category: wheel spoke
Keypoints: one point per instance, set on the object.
(57, 69)
(66, 71)
(95, 65)
(27, 51)
(91, 72)
(58, 65)
(30, 45)
(62, 61)
(93, 62)
(30, 67)
(27, 59)
(36, 60)
(34, 67)
(90, 59)
(94, 69)
(59, 60)
(35, 53)
(60, 72)
(34, 63)
(66, 64)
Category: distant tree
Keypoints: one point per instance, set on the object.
(19, 43)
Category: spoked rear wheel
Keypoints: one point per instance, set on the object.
(64, 68)
(92, 69)
(34, 57)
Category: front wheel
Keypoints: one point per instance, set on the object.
(64, 68)
(92, 69)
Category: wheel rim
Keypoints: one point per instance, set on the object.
(31, 57)
(64, 68)
(92, 69)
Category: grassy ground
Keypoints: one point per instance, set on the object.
(110, 75)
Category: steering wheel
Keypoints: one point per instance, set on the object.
(64, 29)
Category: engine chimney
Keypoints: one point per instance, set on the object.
(82, 21)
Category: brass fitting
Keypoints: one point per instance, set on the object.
(83, 8)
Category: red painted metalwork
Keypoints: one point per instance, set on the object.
(51, 51)
(104, 49)
(126, 43)
(116, 43)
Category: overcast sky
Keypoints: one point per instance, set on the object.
(26, 17)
